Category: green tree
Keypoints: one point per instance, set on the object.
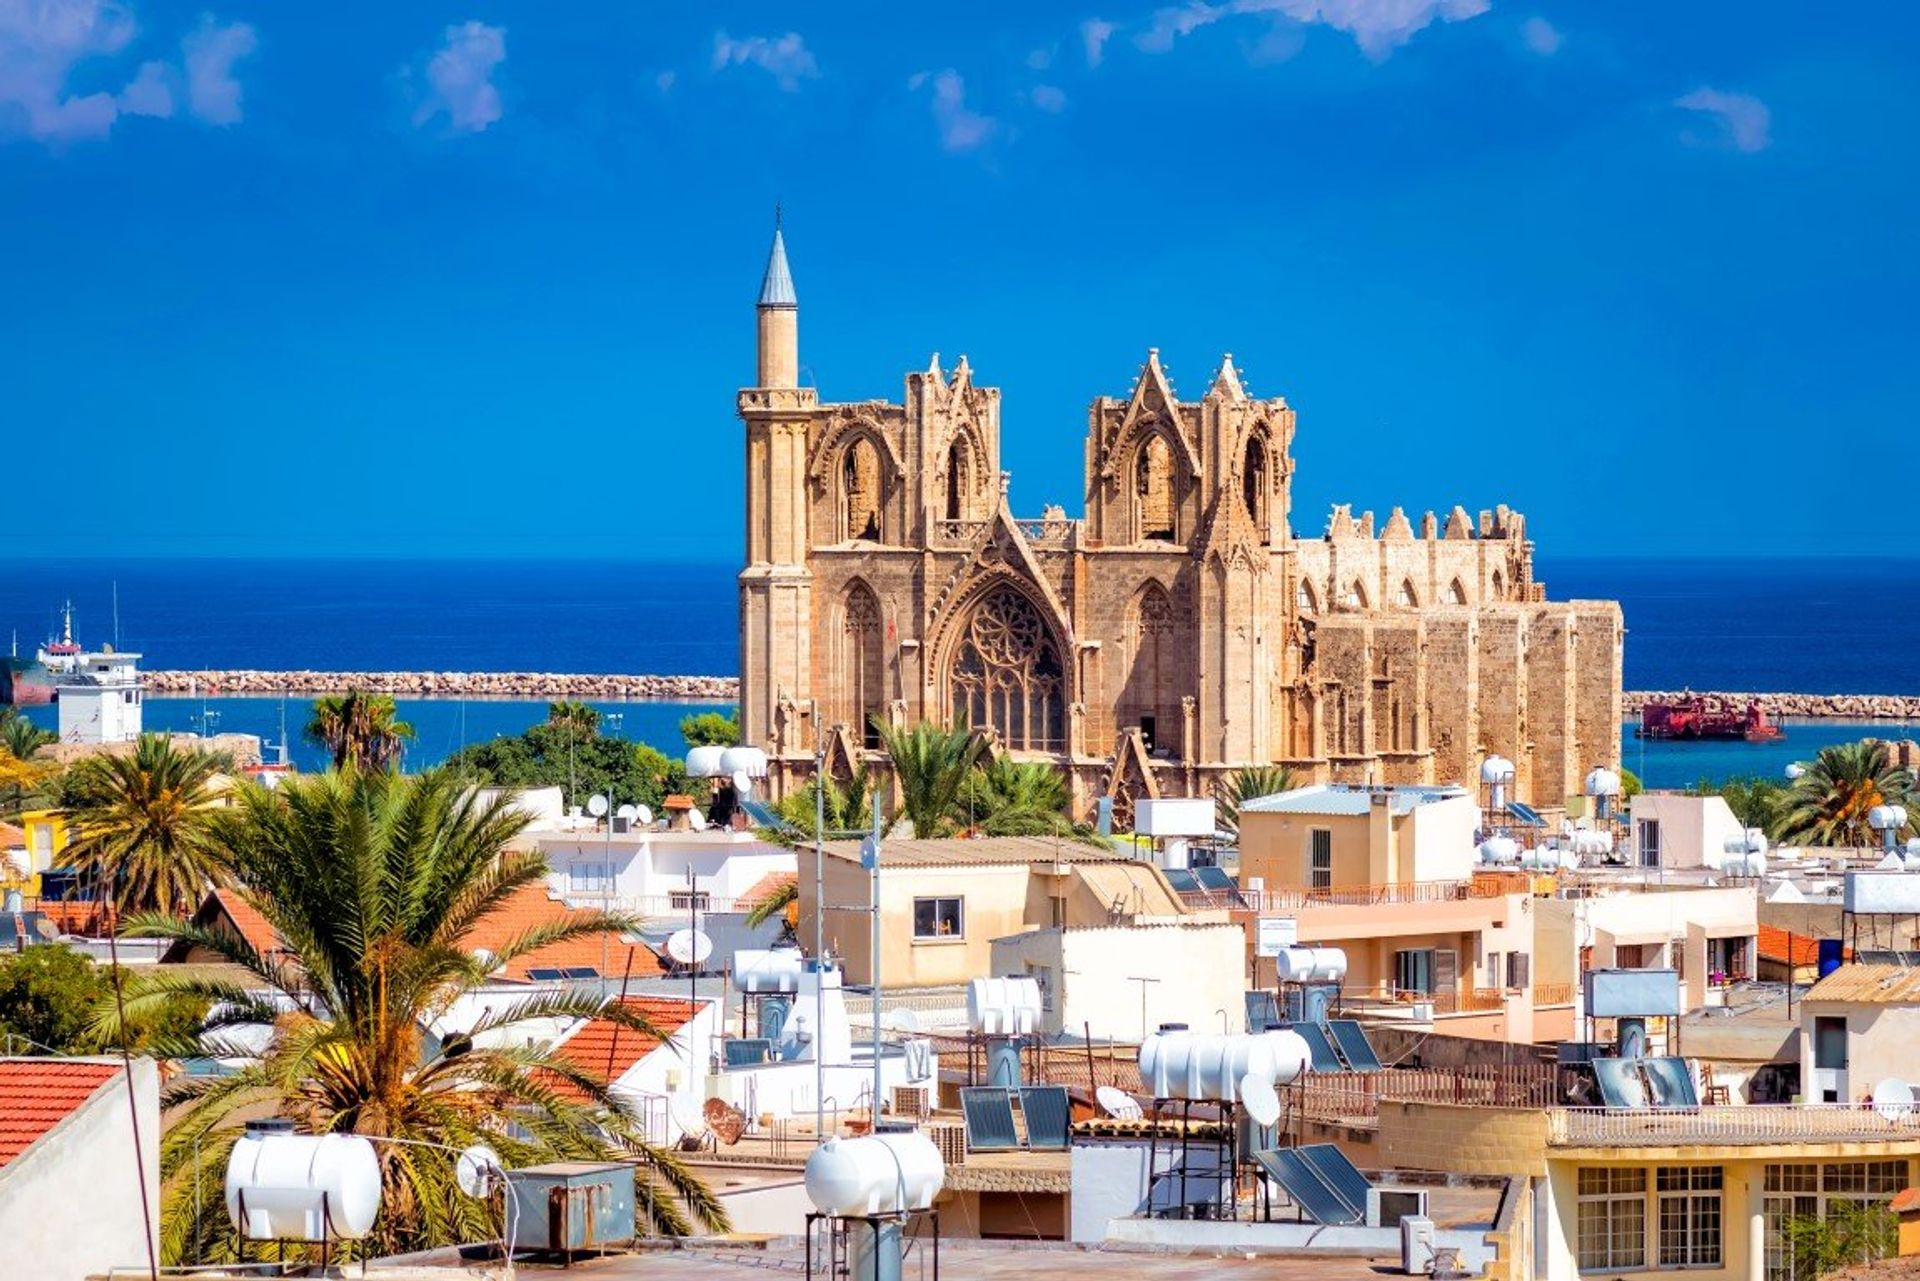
(774, 904)
(144, 825)
(1755, 802)
(1851, 1233)
(359, 729)
(21, 736)
(1630, 784)
(23, 782)
(1005, 797)
(711, 729)
(849, 806)
(553, 755)
(371, 881)
(575, 717)
(1828, 804)
(48, 996)
(930, 767)
(1249, 784)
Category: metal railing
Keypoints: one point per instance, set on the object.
(1756, 1123)
(1478, 1000)
(1553, 994)
(1354, 1097)
(1294, 897)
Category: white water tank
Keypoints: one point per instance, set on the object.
(892, 1172)
(750, 761)
(1500, 851)
(707, 762)
(768, 970)
(1496, 769)
(1007, 1006)
(1210, 1066)
(302, 1187)
(1602, 781)
(1592, 844)
(1311, 964)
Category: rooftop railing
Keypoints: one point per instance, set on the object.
(1295, 897)
(1353, 1098)
(1753, 1123)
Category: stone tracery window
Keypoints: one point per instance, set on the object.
(1007, 675)
(860, 480)
(1456, 594)
(1153, 490)
(864, 671)
(1304, 599)
(959, 485)
(1255, 487)
(1409, 598)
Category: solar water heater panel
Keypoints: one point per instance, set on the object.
(1324, 1058)
(1049, 1116)
(1306, 1188)
(1351, 1040)
(1340, 1174)
(988, 1112)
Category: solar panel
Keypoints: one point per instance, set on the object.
(581, 972)
(1049, 1116)
(1620, 1083)
(1182, 880)
(1262, 1010)
(1671, 1083)
(764, 817)
(988, 1111)
(1315, 1035)
(1526, 814)
(1213, 878)
(1351, 1040)
(546, 974)
(1306, 1188)
(748, 1051)
(1340, 1174)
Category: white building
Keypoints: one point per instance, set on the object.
(1117, 983)
(100, 700)
(1671, 830)
(654, 872)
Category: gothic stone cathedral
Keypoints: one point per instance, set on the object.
(1178, 631)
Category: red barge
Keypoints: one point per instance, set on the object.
(1704, 716)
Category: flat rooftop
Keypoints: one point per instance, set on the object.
(1352, 800)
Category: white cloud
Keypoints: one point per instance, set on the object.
(1048, 98)
(213, 93)
(1743, 119)
(1094, 34)
(785, 58)
(1039, 59)
(460, 76)
(961, 129)
(664, 81)
(44, 42)
(1377, 26)
(1541, 37)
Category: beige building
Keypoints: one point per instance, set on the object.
(1180, 629)
(1860, 1026)
(943, 902)
(1119, 982)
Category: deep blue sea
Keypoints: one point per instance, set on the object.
(1813, 626)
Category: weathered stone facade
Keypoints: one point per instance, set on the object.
(1178, 631)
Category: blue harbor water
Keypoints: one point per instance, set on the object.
(1811, 626)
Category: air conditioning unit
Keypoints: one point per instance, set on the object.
(1416, 1246)
(1388, 1206)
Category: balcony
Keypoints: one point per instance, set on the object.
(1353, 1098)
(1756, 1123)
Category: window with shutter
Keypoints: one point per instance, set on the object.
(1519, 969)
(1446, 970)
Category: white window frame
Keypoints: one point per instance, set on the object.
(1618, 1188)
(1691, 1201)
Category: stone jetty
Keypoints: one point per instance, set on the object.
(523, 685)
(1879, 707)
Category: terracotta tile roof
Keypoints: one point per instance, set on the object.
(531, 906)
(11, 836)
(1776, 944)
(41, 1093)
(246, 918)
(1869, 985)
(608, 1051)
(768, 886)
(1904, 1200)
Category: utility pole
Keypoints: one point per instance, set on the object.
(819, 925)
(870, 855)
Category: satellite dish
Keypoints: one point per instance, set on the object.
(44, 926)
(597, 805)
(487, 964)
(902, 1020)
(726, 1121)
(1117, 1103)
(689, 947)
(742, 783)
(476, 1169)
(642, 815)
(627, 813)
(1260, 1099)
(1893, 1099)
(696, 820)
(686, 1121)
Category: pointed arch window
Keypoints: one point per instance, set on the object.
(1499, 585)
(1456, 594)
(1256, 487)
(1148, 700)
(1409, 599)
(959, 481)
(1304, 598)
(860, 482)
(1153, 490)
(1006, 674)
(1356, 597)
(863, 675)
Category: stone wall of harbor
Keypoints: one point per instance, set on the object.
(519, 685)
(575, 685)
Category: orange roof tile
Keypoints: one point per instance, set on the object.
(1905, 1200)
(11, 836)
(769, 885)
(40, 1094)
(530, 906)
(606, 1050)
(1777, 944)
(246, 918)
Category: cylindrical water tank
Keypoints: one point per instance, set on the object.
(707, 762)
(1007, 1006)
(1602, 781)
(1500, 851)
(302, 1187)
(1496, 769)
(1210, 1066)
(892, 1172)
(1754, 864)
(1750, 841)
(1311, 964)
(750, 761)
(775, 970)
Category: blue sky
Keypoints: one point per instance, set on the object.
(458, 278)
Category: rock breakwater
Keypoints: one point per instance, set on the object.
(1885, 707)
(523, 685)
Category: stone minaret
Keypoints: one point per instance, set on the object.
(776, 587)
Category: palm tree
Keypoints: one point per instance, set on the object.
(930, 766)
(21, 782)
(21, 736)
(1250, 784)
(1828, 804)
(371, 881)
(143, 824)
(1005, 797)
(575, 717)
(848, 807)
(359, 729)
(774, 904)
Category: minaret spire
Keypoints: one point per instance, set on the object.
(779, 312)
